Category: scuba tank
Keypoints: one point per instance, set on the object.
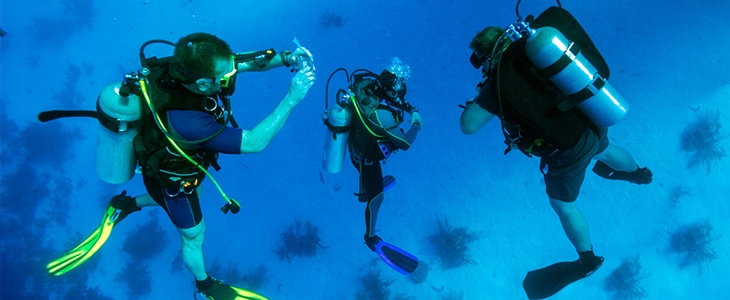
(561, 61)
(335, 143)
(337, 119)
(547, 47)
(118, 118)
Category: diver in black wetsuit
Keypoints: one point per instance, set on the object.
(379, 106)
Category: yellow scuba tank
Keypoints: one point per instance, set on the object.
(119, 116)
(337, 119)
(548, 48)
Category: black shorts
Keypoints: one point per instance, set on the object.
(564, 172)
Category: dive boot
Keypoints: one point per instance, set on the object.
(589, 262)
(119, 207)
(640, 176)
(214, 289)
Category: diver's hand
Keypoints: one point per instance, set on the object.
(416, 119)
(300, 85)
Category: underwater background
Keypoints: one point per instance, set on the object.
(479, 219)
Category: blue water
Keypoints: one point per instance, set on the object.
(668, 59)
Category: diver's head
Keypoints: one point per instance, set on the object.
(203, 62)
(483, 45)
(391, 83)
(388, 86)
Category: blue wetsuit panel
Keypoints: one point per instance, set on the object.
(195, 125)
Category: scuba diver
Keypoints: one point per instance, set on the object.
(546, 82)
(367, 121)
(172, 119)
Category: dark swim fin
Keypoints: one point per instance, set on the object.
(397, 258)
(545, 282)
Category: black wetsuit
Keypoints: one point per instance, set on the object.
(375, 135)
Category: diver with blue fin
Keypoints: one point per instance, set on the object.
(171, 118)
(548, 85)
(366, 122)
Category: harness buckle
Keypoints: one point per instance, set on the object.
(188, 187)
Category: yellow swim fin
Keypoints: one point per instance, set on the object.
(222, 291)
(93, 243)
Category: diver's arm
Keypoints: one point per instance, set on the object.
(411, 134)
(261, 135)
(477, 113)
(474, 118)
(284, 58)
(260, 65)
(396, 136)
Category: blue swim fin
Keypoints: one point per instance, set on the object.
(388, 182)
(397, 258)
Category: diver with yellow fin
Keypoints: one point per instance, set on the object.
(172, 119)
(548, 85)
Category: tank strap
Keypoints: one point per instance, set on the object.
(562, 62)
(583, 95)
(113, 124)
(337, 129)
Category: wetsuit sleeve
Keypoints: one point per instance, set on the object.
(194, 125)
(487, 99)
(403, 141)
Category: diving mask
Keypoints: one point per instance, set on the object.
(226, 79)
(477, 61)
